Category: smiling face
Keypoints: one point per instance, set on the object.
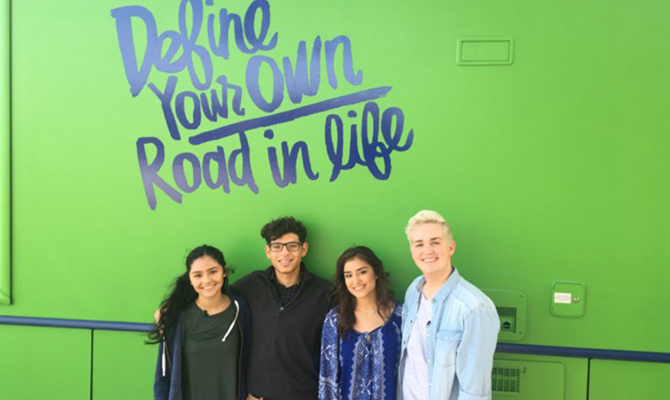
(360, 278)
(207, 276)
(431, 250)
(284, 261)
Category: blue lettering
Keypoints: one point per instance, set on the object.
(253, 87)
(290, 162)
(219, 158)
(226, 20)
(149, 171)
(136, 76)
(247, 177)
(219, 107)
(347, 62)
(180, 175)
(298, 82)
(394, 139)
(372, 148)
(181, 110)
(256, 41)
(237, 168)
(166, 100)
(189, 46)
(165, 61)
(184, 39)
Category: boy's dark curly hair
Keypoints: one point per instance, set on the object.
(281, 226)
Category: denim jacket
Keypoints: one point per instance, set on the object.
(460, 339)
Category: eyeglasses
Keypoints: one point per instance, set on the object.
(276, 247)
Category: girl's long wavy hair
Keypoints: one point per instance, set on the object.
(347, 302)
(181, 293)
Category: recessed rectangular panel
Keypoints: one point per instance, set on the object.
(123, 366)
(568, 299)
(512, 307)
(44, 363)
(575, 384)
(528, 380)
(485, 51)
(620, 380)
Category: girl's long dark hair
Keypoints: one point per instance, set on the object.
(347, 302)
(182, 294)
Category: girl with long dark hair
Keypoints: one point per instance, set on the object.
(203, 334)
(360, 342)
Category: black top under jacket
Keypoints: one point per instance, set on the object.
(168, 377)
(284, 361)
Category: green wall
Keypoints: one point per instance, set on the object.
(123, 366)
(45, 363)
(628, 380)
(551, 167)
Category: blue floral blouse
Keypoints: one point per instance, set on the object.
(364, 365)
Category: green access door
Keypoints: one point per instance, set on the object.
(526, 377)
(45, 363)
(123, 366)
(622, 380)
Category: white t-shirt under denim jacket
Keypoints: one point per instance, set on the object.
(460, 339)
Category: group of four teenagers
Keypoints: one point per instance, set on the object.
(286, 334)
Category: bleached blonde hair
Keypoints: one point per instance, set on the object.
(428, 217)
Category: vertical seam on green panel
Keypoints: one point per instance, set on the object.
(92, 352)
(6, 242)
(588, 378)
(11, 162)
(11, 158)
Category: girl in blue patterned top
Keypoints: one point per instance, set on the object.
(360, 343)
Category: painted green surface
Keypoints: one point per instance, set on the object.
(5, 268)
(543, 375)
(123, 366)
(552, 168)
(45, 363)
(619, 380)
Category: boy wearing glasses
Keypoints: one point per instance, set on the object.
(288, 305)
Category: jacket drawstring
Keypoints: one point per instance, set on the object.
(230, 329)
(163, 356)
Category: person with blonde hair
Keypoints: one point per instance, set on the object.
(449, 327)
